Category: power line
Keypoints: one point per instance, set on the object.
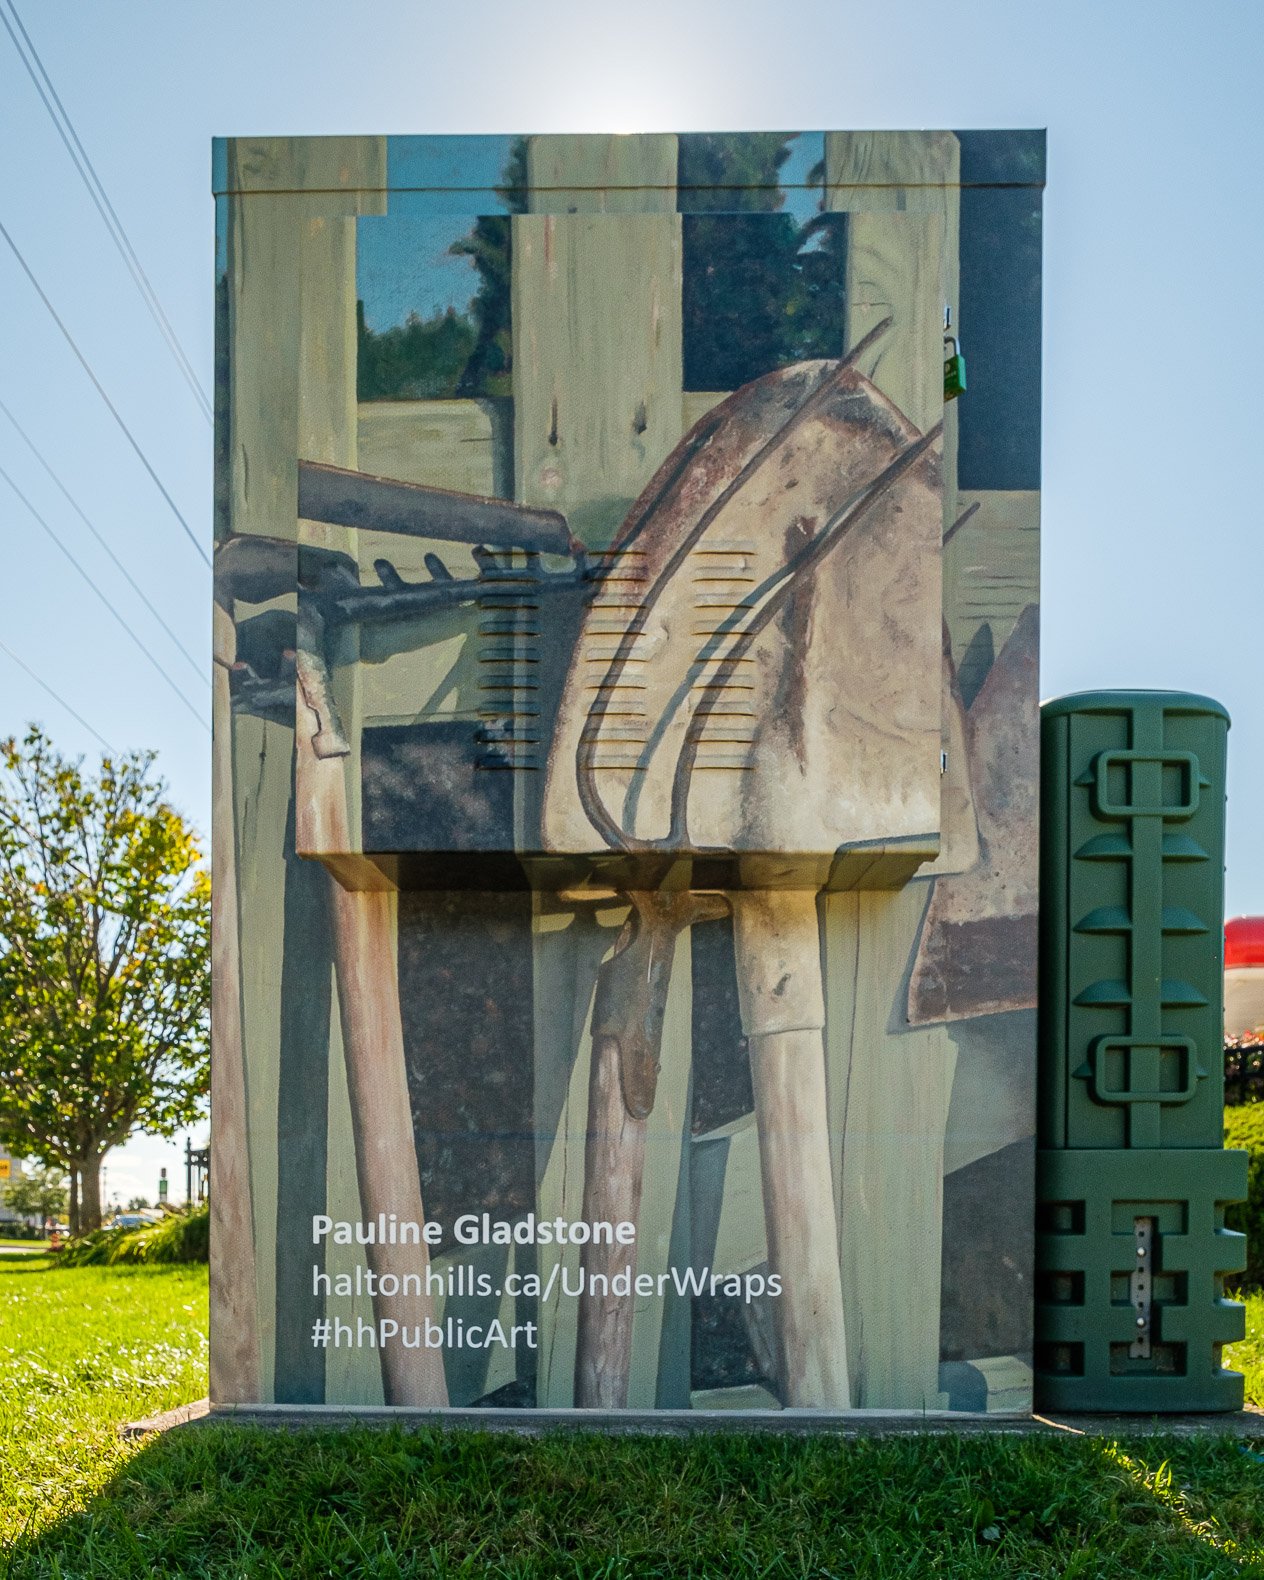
(166, 677)
(100, 389)
(96, 191)
(100, 197)
(198, 669)
(60, 701)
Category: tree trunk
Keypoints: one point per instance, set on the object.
(74, 1201)
(90, 1192)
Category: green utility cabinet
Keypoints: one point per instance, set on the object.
(1132, 1175)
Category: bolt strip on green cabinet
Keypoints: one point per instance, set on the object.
(1132, 1176)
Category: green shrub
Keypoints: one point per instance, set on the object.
(1244, 1131)
(180, 1237)
(90, 1250)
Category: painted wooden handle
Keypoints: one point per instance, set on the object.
(377, 1080)
(381, 1114)
(777, 940)
(628, 1010)
(614, 1170)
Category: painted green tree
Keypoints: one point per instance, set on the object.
(489, 246)
(104, 962)
(420, 359)
(454, 353)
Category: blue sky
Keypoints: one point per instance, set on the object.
(1154, 328)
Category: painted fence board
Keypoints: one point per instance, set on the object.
(890, 1088)
(602, 173)
(351, 1375)
(882, 181)
(446, 443)
(267, 243)
(597, 369)
(235, 1365)
(889, 1091)
(991, 574)
(328, 431)
(568, 950)
(733, 1236)
(597, 378)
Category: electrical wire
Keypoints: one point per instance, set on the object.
(193, 709)
(60, 701)
(96, 191)
(198, 669)
(100, 389)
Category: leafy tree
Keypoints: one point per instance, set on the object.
(138, 1204)
(104, 962)
(40, 1194)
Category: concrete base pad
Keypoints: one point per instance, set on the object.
(1247, 1423)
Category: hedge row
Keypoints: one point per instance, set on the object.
(180, 1237)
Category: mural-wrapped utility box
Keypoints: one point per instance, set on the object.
(626, 770)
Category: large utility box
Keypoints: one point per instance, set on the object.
(626, 771)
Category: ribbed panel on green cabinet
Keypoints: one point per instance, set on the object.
(1132, 920)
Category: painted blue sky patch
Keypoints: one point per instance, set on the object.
(405, 264)
(806, 152)
(438, 187)
(425, 166)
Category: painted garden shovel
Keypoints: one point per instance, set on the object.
(770, 704)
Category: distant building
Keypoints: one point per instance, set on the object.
(10, 1170)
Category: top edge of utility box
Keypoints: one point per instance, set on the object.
(263, 164)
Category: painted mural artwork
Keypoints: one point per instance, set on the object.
(626, 772)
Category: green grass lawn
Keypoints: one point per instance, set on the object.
(83, 1349)
(1248, 1357)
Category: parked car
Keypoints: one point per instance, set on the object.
(135, 1220)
